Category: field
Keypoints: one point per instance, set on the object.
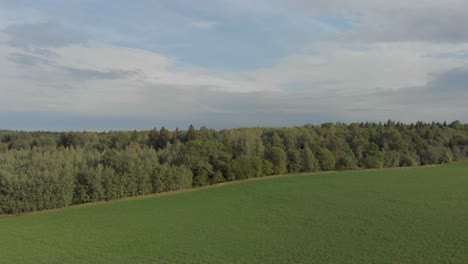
(417, 215)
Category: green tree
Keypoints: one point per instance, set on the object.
(309, 161)
(153, 138)
(175, 137)
(191, 134)
(163, 138)
(326, 159)
(294, 161)
(278, 157)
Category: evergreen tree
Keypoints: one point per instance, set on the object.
(153, 139)
(175, 137)
(134, 137)
(191, 134)
(163, 138)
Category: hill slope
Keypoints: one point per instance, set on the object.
(415, 215)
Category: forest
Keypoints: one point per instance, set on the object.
(45, 170)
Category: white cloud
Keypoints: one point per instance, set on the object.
(371, 20)
(336, 84)
(380, 66)
(43, 35)
(106, 80)
(205, 25)
(386, 66)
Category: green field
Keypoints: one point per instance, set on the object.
(417, 215)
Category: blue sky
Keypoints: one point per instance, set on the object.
(98, 65)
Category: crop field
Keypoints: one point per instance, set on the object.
(409, 215)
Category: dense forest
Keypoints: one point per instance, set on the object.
(44, 170)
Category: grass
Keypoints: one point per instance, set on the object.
(416, 215)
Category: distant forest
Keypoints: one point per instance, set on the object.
(45, 170)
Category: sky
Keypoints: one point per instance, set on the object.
(124, 65)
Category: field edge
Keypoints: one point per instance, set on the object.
(221, 184)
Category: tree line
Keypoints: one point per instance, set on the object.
(44, 170)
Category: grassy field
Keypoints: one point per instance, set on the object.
(417, 215)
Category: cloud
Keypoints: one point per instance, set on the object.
(406, 25)
(369, 20)
(346, 69)
(356, 60)
(86, 75)
(453, 80)
(442, 98)
(205, 25)
(339, 84)
(43, 35)
(28, 60)
(401, 21)
(39, 65)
